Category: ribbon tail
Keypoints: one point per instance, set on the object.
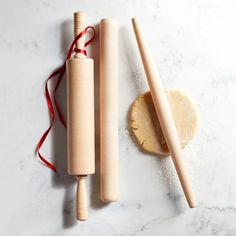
(60, 72)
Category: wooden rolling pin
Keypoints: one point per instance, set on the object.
(109, 163)
(80, 130)
(163, 111)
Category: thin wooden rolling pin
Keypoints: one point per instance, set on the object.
(80, 130)
(109, 163)
(163, 111)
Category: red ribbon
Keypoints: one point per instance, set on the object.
(60, 72)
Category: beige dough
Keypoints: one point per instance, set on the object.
(146, 128)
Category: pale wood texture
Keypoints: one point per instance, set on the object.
(109, 160)
(163, 112)
(79, 25)
(80, 119)
(81, 199)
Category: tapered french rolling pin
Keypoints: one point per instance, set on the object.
(80, 118)
(163, 111)
(109, 162)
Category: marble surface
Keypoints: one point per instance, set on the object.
(193, 43)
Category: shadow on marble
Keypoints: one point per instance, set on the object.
(59, 139)
(126, 46)
(174, 193)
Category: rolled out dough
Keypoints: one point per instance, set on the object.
(146, 128)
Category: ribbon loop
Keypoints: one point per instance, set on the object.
(77, 50)
(60, 72)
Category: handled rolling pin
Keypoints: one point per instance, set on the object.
(109, 163)
(163, 111)
(80, 118)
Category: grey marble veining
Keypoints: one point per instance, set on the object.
(193, 43)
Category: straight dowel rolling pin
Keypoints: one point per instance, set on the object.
(163, 111)
(109, 163)
(80, 118)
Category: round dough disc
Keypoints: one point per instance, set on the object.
(146, 128)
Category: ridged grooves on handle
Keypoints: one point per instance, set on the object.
(81, 199)
(79, 25)
(81, 193)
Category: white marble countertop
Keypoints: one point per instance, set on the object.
(194, 45)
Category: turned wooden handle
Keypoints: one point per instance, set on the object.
(80, 119)
(79, 25)
(81, 199)
(163, 111)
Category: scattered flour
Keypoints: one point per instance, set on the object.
(140, 82)
(193, 163)
(167, 170)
